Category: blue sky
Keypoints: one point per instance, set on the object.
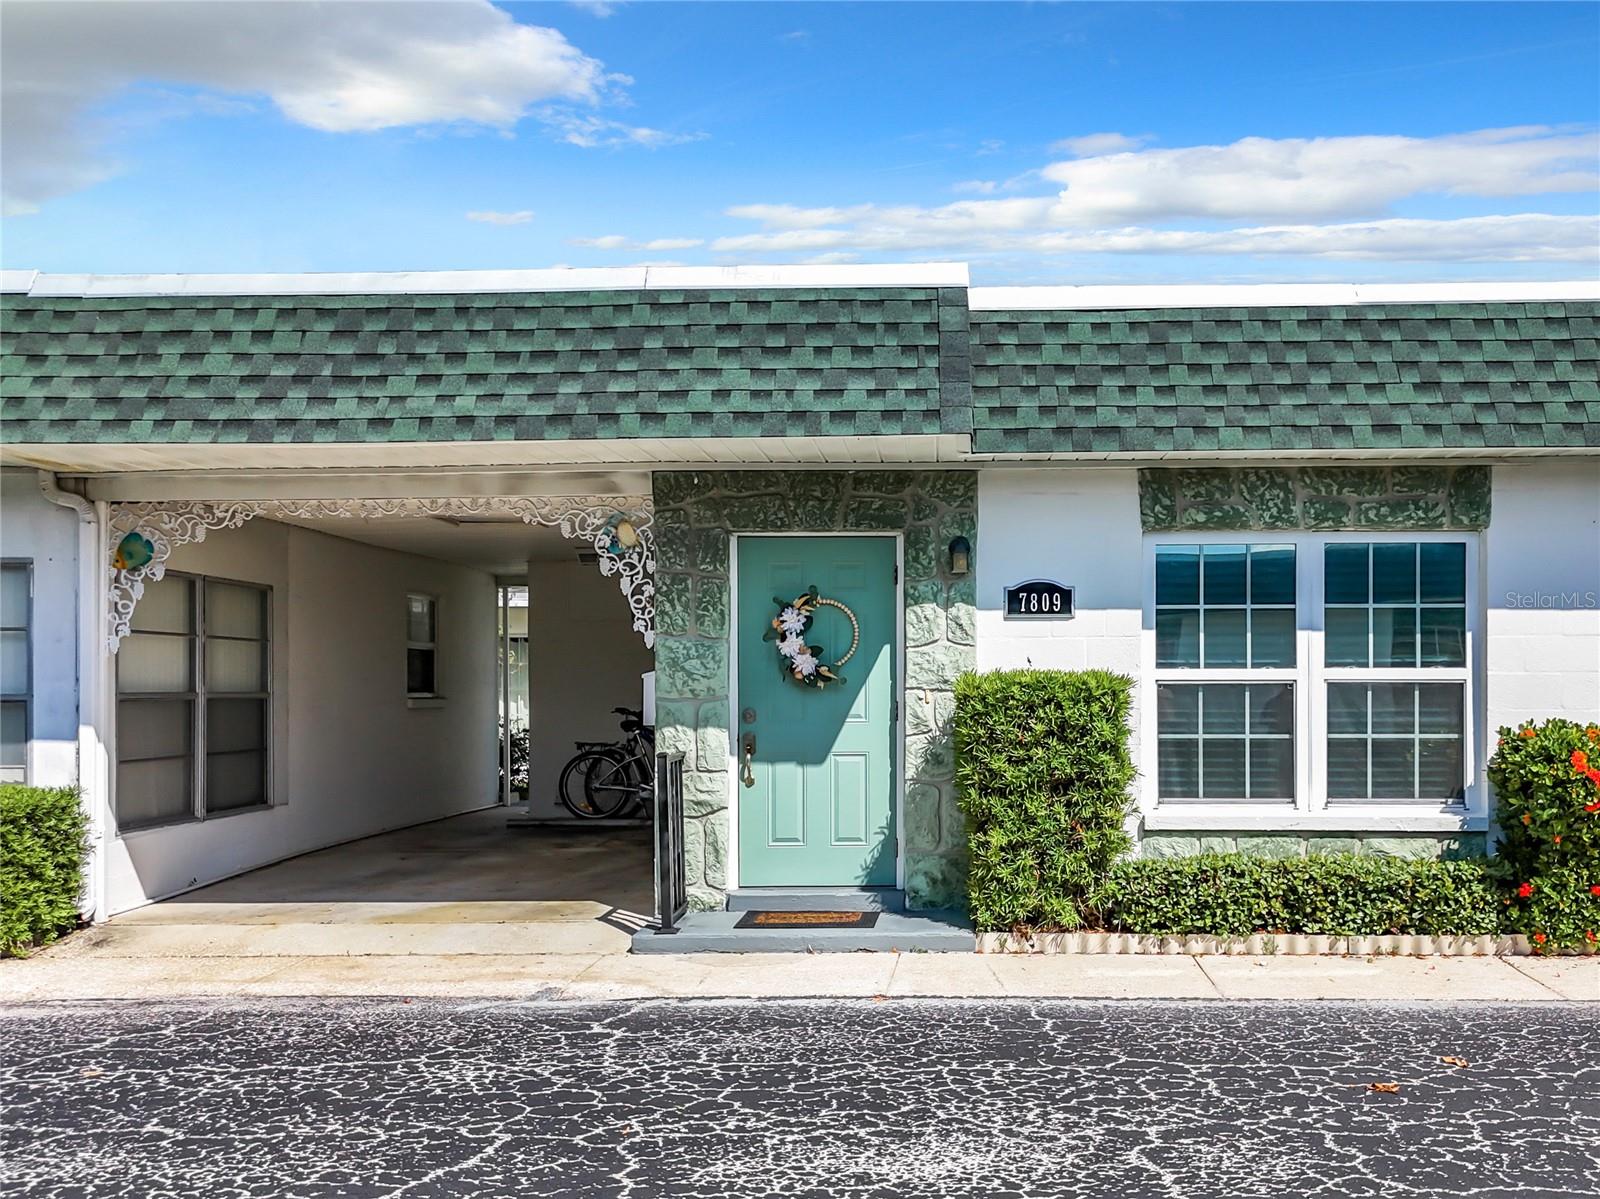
(1040, 142)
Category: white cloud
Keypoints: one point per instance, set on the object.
(611, 241)
(977, 187)
(616, 241)
(595, 8)
(502, 218)
(1325, 178)
(1091, 145)
(590, 131)
(340, 68)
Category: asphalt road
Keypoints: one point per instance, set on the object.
(799, 1098)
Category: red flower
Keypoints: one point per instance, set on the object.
(1580, 761)
(1557, 838)
(1525, 890)
(1595, 890)
(1594, 775)
(1591, 807)
(1529, 733)
(1527, 819)
(1538, 938)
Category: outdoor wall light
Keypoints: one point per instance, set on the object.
(960, 556)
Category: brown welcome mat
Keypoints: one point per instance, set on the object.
(807, 920)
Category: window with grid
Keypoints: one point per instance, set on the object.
(1225, 630)
(16, 653)
(422, 646)
(193, 702)
(1395, 658)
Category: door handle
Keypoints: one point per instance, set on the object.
(749, 775)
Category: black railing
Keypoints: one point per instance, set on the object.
(672, 888)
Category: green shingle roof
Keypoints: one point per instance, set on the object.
(485, 367)
(1367, 377)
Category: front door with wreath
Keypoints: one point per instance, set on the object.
(814, 715)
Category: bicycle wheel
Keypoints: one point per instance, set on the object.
(612, 785)
(574, 789)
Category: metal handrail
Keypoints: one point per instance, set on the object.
(672, 888)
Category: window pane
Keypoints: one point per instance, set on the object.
(1178, 769)
(1224, 567)
(1345, 568)
(1394, 637)
(1444, 636)
(1347, 768)
(1224, 643)
(234, 665)
(235, 780)
(1347, 708)
(1394, 768)
(1222, 709)
(1272, 769)
(419, 671)
(419, 618)
(1178, 637)
(1272, 574)
(1177, 710)
(14, 595)
(1222, 769)
(153, 728)
(154, 662)
(1178, 575)
(235, 724)
(1439, 708)
(167, 606)
(1271, 709)
(1439, 770)
(1444, 572)
(1272, 637)
(13, 739)
(1394, 573)
(154, 792)
(235, 611)
(1344, 637)
(1393, 707)
(14, 662)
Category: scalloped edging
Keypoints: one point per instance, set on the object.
(1259, 944)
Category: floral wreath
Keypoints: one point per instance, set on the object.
(799, 661)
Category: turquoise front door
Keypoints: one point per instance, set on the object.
(816, 767)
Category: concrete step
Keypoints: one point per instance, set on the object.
(817, 899)
(908, 932)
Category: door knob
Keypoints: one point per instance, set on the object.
(749, 775)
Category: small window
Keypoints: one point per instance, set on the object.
(16, 613)
(1396, 604)
(1395, 741)
(422, 646)
(1225, 741)
(1225, 606)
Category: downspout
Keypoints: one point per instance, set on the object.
(94, 767)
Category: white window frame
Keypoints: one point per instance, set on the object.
(197, 695)
(1311, 810)
(25, 696)
(430, 646)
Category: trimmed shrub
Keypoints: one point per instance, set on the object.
(1234, 895)
(1043, 770)
(1547, 787)
(43, 844)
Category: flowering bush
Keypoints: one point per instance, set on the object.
(1547, 783)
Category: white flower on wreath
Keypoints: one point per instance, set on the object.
(792, 646)
(805, 664)
(792, 620)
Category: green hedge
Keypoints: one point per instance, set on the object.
(1234, 895)
(1547, 791)
(1043, 770)
(43, 845)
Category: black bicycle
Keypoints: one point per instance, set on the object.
(615, 778)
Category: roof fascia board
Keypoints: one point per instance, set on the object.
(933, 274)
(1271, 295)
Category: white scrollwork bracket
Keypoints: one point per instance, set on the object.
(618, 527)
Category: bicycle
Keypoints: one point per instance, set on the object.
(607, 779)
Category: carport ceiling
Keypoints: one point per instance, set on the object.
(502, 547)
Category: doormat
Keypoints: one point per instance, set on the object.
(807, 920)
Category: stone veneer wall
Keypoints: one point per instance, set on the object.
(1405, 497)
(695, 511)
(1295, 845)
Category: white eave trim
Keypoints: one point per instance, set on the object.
(1272, 295)
(655, 278)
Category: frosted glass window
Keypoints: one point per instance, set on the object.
(154, 662)
(419, 618)
(235, 666)
(157, 791)
(167, 606)
(422, 649)
(233, 610)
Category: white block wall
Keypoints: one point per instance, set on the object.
(1542, 590)
(350, 757)
(46, 535)
(1080, 527)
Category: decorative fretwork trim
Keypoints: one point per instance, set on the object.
(590, 518)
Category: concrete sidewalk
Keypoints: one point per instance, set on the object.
(592, 976)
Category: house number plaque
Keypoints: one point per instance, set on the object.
(1038, 599)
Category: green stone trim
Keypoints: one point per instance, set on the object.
(1448, 846)
(695, 512)
(1400, 498)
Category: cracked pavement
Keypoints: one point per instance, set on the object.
(835, 1098)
